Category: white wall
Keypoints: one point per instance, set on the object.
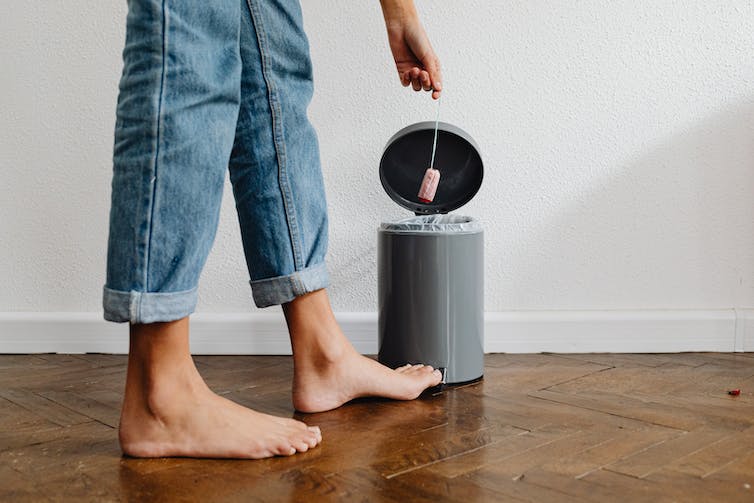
(618, 140)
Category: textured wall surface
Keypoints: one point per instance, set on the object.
(618, 140)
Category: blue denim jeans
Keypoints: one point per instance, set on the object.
(209, 86)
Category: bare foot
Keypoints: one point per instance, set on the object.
(198, 423)
(168, 410)
(324, 387)
(329, 372)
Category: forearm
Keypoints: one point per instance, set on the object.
(415, 59)
(398, 11)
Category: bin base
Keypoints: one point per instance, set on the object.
(442, 386)
(463, 383)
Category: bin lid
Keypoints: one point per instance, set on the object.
(407, 156)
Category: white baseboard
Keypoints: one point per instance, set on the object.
(648, 331)
(745, 329)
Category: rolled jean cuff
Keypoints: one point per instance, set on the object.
(282, 289)
(147, 307)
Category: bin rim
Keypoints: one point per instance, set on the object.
(434, 224)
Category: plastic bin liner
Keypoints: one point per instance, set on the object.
(443, 224)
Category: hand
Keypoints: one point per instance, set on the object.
(415, 60)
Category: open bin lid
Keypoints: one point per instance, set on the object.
(407, 156)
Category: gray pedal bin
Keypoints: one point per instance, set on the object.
(431, 266)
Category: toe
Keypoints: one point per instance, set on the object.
(312, 439)
(284, 446)
(420, 369)
(316, 432)
(289, 450)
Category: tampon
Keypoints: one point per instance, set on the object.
(429, 185)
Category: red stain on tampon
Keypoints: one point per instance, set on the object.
(734, 392)
(429, 185)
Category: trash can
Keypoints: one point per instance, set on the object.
(431, 266)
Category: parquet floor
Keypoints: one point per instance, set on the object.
(550, 428)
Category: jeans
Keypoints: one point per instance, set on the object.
(205, 86)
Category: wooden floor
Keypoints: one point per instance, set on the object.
(551, 428)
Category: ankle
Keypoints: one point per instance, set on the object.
(156, 389)
(309, 311)
(315, 334)
(160, 368)
(319, 357)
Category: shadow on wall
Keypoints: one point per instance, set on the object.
(672, 229)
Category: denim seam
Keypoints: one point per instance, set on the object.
(297, 285)
(158, 138)
(278, 137)
(133, 306)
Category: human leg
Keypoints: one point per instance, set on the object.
(275, 166)
(176, 114)
(277, 183)
(175, 123)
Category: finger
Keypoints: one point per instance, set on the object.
(405, 79)
(415, 79)
(426, 83)
(436, 89)
(435, 75)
